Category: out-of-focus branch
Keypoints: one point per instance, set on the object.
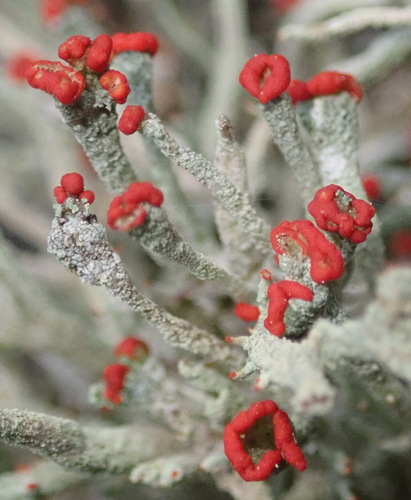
(349, 23)
(86, 449)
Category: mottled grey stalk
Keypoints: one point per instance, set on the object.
(112, 450)
(234, 201)
(93, 120)
(281, 117)
(80, 243)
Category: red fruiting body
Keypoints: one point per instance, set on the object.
(133, 348)
(53, 9)
(131, 119)
(17, 65)
(265, 76)
(116, 84)
(284, 441)
(126, 210)
(336, 210)
(301, 237)
(63, 82)
(253, 431)
(265, 274)
(333, 82)
(372, 186)
(279, 294)
(72, 183)
(399, 244)
(74, 48)
(98, 55)
(113, 376)
(247, 312)
(282, 6)
(87, 195)
(298, 91)
(60, 194)
(139, 42)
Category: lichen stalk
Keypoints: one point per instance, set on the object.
(235, 202)
(138, 67)
(281, 117)
(80, 243)
(93, 120)
(333, 129)
(160, 237)
(243, 259)
(85, 449)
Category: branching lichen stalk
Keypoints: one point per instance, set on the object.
(80, 243)
(114, 450)
(242, 256)
(235, 202)
(281, 117)
(159, 236)
(138, 66)
(93, 119)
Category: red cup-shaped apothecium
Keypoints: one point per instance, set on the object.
(279, 294)
(265, 77)
(256, 442)
(298, 91)
(339, 211)
(63, 82)
(116, 84)
(333, 82)
(127, 211)
(301, 238)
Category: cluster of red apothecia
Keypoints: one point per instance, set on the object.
(128, 351)
(334, 210)
(128, 210)
(72, 185)
(259, 440)
(265, 77)
(67, 83)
